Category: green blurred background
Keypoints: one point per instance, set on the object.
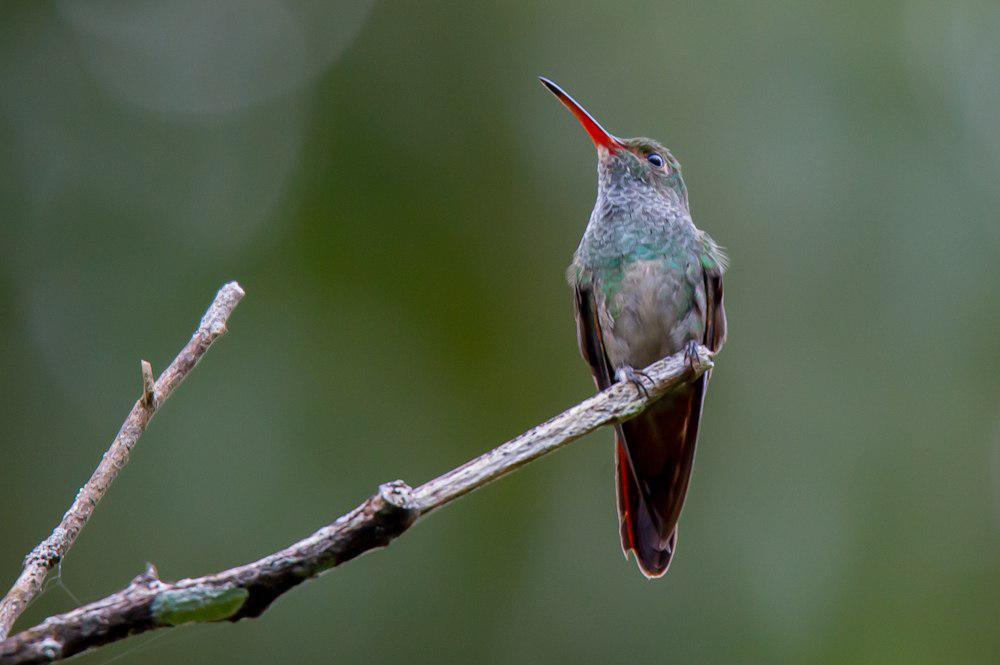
(399, 197)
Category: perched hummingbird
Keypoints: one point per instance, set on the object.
(648, 283)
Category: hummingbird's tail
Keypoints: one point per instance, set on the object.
(654, 453)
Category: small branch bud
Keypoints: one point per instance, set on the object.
(148, 384)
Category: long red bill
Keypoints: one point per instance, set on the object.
(598, 134)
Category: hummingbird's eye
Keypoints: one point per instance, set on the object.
(655, 160)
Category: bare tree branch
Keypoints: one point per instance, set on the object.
(616, 404)
(52, 550)
(246, 591)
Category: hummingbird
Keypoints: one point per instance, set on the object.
(647, 283)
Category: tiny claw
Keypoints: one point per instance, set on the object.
(691, 355)
(635, 377)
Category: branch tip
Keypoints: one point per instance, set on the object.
(214, 321)
(235, 287)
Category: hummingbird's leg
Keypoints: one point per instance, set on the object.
(635, 377)
(691, 355)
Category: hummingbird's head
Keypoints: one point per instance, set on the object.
(629, 167)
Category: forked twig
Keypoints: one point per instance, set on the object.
(246, 591)
(51, 551)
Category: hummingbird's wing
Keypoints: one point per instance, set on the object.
(654, 452)
(591, 341)
(588, 336)
(715, 311)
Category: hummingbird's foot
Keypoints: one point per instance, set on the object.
(635, 377)
(691, 355)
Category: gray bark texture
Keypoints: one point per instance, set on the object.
(244, 592)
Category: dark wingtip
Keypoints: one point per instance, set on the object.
(654, 562)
